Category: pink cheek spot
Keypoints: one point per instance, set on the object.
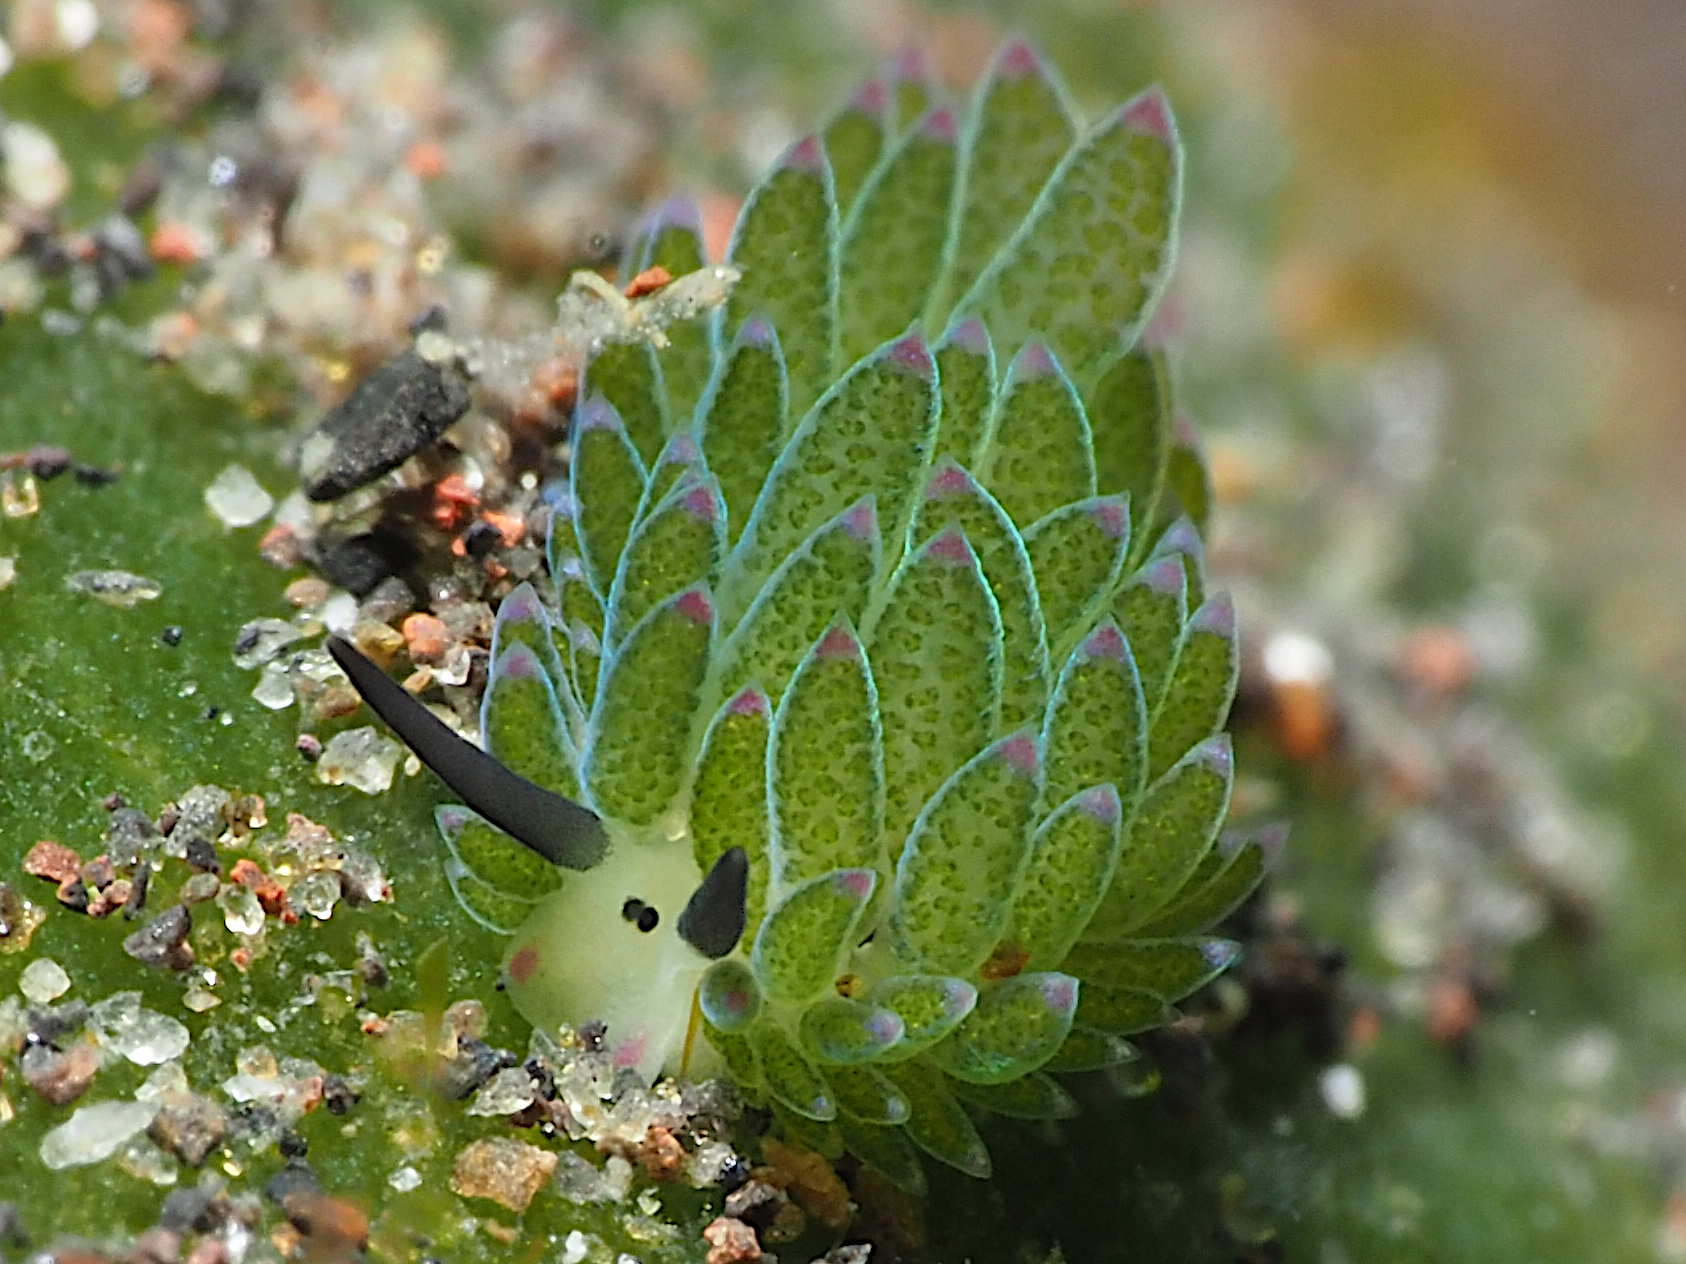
(630, 1052)
(523, 963)
(737, 1002)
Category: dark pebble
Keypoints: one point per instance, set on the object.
(137, 892)
(171, 635)
(113, 801)
(544, 1080)
(481, 538)
(735, 1174)
(94, 476)
(47, 462)
(50, 1025)
(338, 1096)
(74, 895)
(362, 562)
(129, 829)
(292, 1146)
(189, 1211)
(432, 320)
(163, 940)
(11, 1227)
(475, 1063)
(296, 1178)
(394, 413)
(202, 855)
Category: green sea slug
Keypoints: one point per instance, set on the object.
(868, 734)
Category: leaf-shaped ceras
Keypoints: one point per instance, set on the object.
(874, 704)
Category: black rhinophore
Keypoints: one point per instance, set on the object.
(562, 831)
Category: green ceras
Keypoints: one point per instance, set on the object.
(919, 632)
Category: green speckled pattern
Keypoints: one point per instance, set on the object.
(522, 724)
(937, 660)
(953, 498)
(870, 436)
(1171, 832)
(802, 942)
(638, 757)
(1130, 415)
(847, 1033)
(955, 880)
(1072, 858)
(729, 794)
(785, 243)
(792, 1080)
(892, 244)
(966, 375)
(825, 766)
(1017, 1026)
(1039, 455)
(961, 869)
(678, 545)
(1096, 730)
(744, 416)
(830, 576)
(1078, 554)
(1018, 129)
(628, 376)
(1084, 270)
(607, 481)
(1199, 693)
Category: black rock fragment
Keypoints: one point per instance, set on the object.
(338, 1096)
(363, 562)
(190, 1210)
(475, 1063)
(202, 855)
(51, 1024)
(163, 940)
(296, 1178)
(395, 412)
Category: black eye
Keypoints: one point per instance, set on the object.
(640, 915)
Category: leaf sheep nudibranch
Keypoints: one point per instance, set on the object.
(872, 715)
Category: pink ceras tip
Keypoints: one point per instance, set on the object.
(1060, 992)
(1102, 804)
(807, 154)
(519, 663)
(911, 63)
(969, 335)
(1165, 576)
(951, 548)
(1034, 361)
(695, 605)
(857, 884)
(1107, 642)
(861, 520)
(681, 450)
(597, 413)
(912, 354)
(870, 98)
(939, 125)
(1019, 753)
(1018, 61)
(1148, 115)
(1216, 616)
(839, 642)
(750, 702)
(521, 603)
(949, 480)
(757, 331)
(701, 504)
(1112, 517)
